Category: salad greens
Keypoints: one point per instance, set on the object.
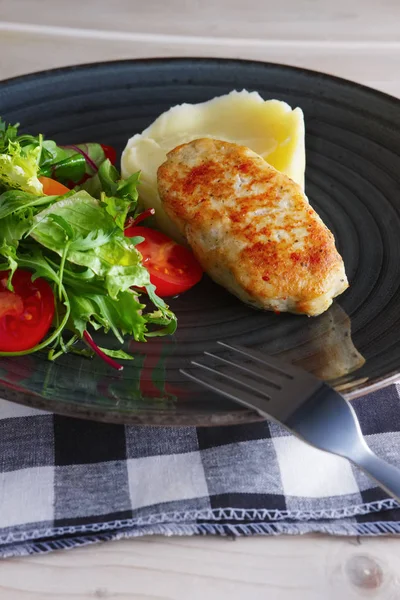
(76, 241)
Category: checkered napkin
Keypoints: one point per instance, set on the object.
(67, 482)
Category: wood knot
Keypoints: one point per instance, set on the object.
(364, 572)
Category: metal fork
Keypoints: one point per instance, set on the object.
(306, 406)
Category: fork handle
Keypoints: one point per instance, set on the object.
(385, 474)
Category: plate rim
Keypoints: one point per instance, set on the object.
(206, 59)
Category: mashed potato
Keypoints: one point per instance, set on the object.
(270, 128)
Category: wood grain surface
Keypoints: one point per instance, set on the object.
(356, 39)
(311, 568)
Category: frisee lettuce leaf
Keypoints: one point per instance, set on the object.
(19, 169)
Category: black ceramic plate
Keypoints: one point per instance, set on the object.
(352, 180)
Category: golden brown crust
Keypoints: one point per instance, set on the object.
(240, 214)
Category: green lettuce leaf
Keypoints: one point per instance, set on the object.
(93, 154)
(70, 169)
(75, 163)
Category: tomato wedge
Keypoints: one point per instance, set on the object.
(173, 268)
(51, 187)
(25, 314)
(109, 153)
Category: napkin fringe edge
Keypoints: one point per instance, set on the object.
(208, 514)
(182, 518)
(227, 530)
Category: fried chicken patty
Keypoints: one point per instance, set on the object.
(251, 227)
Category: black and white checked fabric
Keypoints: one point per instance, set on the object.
(66, 482)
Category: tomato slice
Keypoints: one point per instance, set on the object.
(25, 314)
(51, 187)
(109, 153)
(173, 268)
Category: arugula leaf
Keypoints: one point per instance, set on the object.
(126, 314)
(12, 230)
(164, 316)
(51, 153)
(14, 201)
(119, 196)
(14, 226)
(35, 261)
(108, 177)
(8, 252)
(121, 354)
(122, 315)
(118, 208)
(113, 185)
(84, 311)
(128, 187)
(79, 282)
(94, 239)
(8, 133)
(63, 224)
(19, 169)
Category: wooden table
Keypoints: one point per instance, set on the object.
(356, 39)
